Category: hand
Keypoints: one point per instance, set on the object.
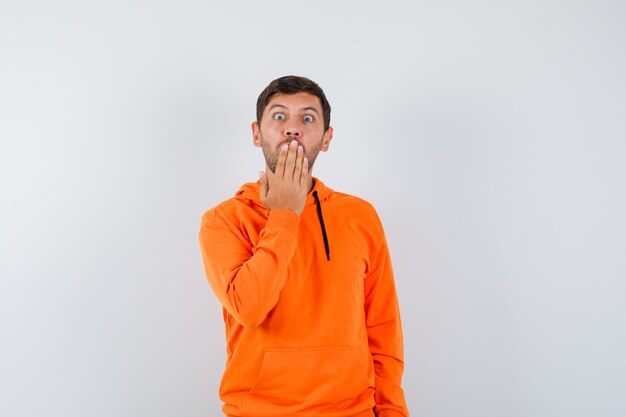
(288, 187)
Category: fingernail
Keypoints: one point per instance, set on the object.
(300, 149)
(285, 147)
(260, 174)
(294, 142)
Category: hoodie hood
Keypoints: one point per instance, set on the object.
(250, 192)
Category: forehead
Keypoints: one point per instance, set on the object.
(295, 101)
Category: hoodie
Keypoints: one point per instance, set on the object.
(309, 305)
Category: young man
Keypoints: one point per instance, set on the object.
(304, 277)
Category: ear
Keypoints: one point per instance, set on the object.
(256, 134)
(328, 135)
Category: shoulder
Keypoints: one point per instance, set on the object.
(355, 207)
(352, 201)
(221, 213)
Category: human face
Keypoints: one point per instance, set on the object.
(289, 117)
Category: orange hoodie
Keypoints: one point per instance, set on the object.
(309, 304)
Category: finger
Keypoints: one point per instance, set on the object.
(291, 159)
(263, 184)
(304, 174)
(298, 168)
(282, 159)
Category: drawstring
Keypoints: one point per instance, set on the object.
(321, 219)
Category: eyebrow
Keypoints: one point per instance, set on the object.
(313, 109)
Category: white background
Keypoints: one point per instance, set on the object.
(489, 135)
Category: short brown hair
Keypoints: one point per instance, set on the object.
(292, 84)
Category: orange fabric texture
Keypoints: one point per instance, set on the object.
(305, 336)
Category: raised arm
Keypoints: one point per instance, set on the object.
(247, 278)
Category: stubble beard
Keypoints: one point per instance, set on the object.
(271, 155)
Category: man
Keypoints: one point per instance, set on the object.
(304, 277)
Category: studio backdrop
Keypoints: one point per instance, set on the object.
(490, 137)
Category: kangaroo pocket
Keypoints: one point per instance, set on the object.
(292, 380)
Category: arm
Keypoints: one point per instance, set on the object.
(248, 281)
(384, 330)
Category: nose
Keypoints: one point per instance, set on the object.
(292, 131)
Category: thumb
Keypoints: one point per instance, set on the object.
(263, 184)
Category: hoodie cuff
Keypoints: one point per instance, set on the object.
(285, 219)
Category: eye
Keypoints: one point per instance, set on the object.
(279, 116)
(308, 118)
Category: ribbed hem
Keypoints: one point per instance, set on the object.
(368, 413)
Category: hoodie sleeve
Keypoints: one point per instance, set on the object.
(247, 280)
(384, 330)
